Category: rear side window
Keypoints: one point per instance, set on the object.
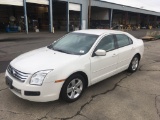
(123, 40)
(130, 40)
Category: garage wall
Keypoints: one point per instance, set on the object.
(20, 2)
(44, 2)
(74, 7)
(12, 2)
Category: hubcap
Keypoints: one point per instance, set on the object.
(74, 88)
(135, 63)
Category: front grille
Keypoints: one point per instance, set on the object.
(17, 74)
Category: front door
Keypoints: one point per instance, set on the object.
(104, 66)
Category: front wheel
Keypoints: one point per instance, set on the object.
(73, 88)
(134, 64)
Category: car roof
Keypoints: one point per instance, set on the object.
(99, 31)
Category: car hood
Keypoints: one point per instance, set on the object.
(41, 59)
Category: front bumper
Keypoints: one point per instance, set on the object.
(45, 93)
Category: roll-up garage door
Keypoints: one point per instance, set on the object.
(44, 2)
(74, 7)
(11, 2)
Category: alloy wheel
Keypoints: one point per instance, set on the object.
(135, 63)
(74, 88)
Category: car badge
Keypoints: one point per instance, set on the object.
(13, 72)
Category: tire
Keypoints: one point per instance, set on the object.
(73, 88)
(134, 64)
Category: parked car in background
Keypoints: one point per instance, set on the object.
(69, 65)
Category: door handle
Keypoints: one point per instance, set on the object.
(114, 55)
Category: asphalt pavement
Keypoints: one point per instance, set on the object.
(122, 97)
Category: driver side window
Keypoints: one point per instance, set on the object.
(107, 43)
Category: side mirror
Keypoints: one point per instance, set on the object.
(100, 52)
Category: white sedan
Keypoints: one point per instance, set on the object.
(78, 60)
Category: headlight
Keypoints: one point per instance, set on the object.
(38, 77)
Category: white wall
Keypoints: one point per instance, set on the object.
(12, 2)
(44, 2)
(74, 7)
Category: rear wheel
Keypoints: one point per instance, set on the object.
(73, 88)
(134, 64)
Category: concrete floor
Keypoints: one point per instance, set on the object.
(122, 97)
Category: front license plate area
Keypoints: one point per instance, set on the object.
(9, 82)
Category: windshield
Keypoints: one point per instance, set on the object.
(74, 43)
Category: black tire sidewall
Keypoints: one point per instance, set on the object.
(63, 94)
(130, 66)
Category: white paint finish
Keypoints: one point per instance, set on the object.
(46, 90)
(74, 7)
(50, 60)
(100, 52)
(12, 2)
(63, 65)
(103, 66)
(98, 31)
(125, 55)
(43, 2)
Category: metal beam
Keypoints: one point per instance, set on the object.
(148, 19)
(68, 16)
(89, 15)
(25, 16)
(50, 16)
(155, 19)
(138, 18)
(81, 18)
(127, 18)
(111, 18)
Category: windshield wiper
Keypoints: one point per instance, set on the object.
(59, 50)
(50, 46)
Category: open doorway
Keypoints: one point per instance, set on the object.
(38, 17)
(99, 18)
(75, 16)
(59, 16)
(11, 18)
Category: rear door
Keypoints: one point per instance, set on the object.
(125, 51)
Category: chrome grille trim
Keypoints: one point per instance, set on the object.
(21, 76)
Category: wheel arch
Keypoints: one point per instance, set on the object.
(63, 94)
(84, 75)
(139, 55)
